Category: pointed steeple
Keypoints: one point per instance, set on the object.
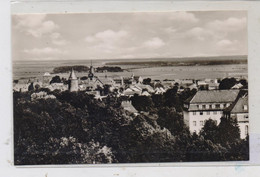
(72, 75)
(91, 71)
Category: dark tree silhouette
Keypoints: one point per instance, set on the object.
(55, 79)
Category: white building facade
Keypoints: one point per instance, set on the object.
(239, 111)
(208, 104)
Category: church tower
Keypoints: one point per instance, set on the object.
(73, 82)
(91, 72)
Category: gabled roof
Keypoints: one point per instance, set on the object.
(47, 74)
(238, 107)
(215, 96)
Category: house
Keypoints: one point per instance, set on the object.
(127, 105)
(131, 91)
(41, 95)
(159, 90)
(237, 86)
(145, 93)
(203, 85)
(145, 87)
(57, 86)
(207, 104)
(213, 86)
(239, 111)
(21, 87)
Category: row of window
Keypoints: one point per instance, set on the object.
(213, 106)
(201, 122)
(205, 113)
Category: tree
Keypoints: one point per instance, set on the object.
(84, 78)
(210, 130)
(172, 99)
(142, 103)
(227, 83)
(55, 79)
(228, 131)
(147, 81)
(30, 87)
(170, 119)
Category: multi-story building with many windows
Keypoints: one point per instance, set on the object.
(207, 104)
(239, 111)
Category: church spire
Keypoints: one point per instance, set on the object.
(72, 74)
(91, 71)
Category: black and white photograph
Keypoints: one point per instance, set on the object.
(130, 87)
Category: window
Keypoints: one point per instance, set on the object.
(201, 123)
(194, 113)
(210, 106)
(217, 105)
(246, 130)
(201, 113)
(204, 106)
(215, 112)
(245, 107)
(194, 123)
(208, 113)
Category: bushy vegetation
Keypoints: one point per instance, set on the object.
(228, 83)
(109, 69)
(82, 68)
(65, 69)
(74, 128)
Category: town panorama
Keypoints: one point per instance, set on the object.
(130, 87)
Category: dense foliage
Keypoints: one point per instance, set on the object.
(65, 69)
(75, 128)
(109, 69)
(228, 83)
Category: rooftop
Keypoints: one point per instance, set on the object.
(241, 106)
(214, 96)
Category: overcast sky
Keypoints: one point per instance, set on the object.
(128, 35)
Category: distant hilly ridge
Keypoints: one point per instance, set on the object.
(185, 61)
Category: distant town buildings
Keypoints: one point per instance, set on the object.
(208, 103)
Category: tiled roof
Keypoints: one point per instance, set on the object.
(239, 105)
(215, 96)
